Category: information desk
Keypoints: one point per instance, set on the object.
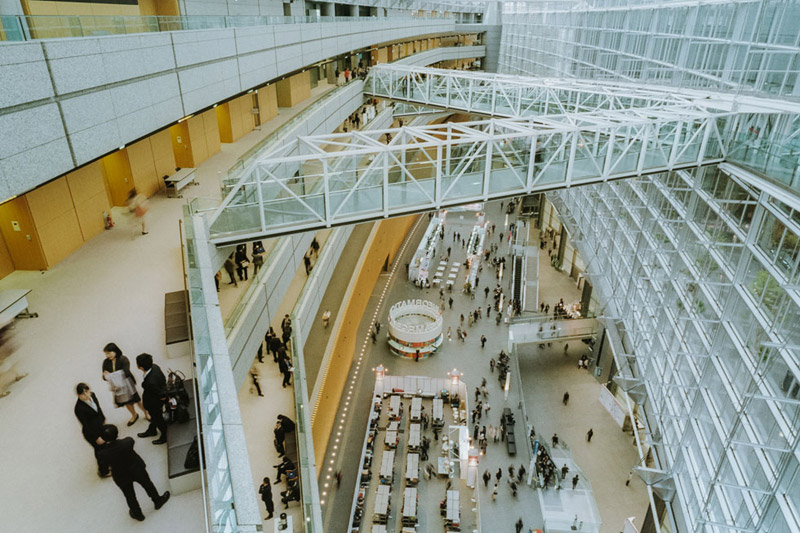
(453, 514)
(444, 466)
(438, 414)
(410, 506)
(414, 436)
(412, 469)
(387, 466)
(178, 181)
(13, 303)
(394, 407)
(416, 409)
(382, 504)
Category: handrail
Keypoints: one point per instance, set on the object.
(34, 27)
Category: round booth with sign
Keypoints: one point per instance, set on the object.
(415, 326)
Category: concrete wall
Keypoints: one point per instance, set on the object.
(70, 101)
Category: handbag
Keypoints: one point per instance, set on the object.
(121, 385)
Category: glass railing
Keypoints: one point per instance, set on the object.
(779, 162)
(31, 27)
(222, 514)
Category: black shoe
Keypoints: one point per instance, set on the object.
(107, 473)
(162, 440)
(147, 433)
(161, 500)
(137, 515)
(268, 517)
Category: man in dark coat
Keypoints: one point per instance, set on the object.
(91, 417)
(126, 468)
(154, 385)
(266, 496)
(283, 366)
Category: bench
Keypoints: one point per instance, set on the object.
(179, 180)
(179, 440)
(508, 422)
(176, 323)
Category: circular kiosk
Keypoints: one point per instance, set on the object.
(415, 325)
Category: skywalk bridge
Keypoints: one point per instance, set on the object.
(553, 134)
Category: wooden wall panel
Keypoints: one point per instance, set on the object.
(181, 145)
(6, 263)
(159, 7)
(163, 156)
(118, 176)
(387, 239)
(54, 217)
(224, 123)
(294, 89)
(268, 103)
(197, 139)
(23, 245)
(211, 131)
(60, 237)
(88, 191)
(143, 169)
(49, 202)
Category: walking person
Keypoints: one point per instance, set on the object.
(266, 496)
(492, 363)
(128, 467)
(494, 492)
(154, 385)
(498, 474)
(230, 268)
(589, 435)
(555, 440)
(450, 302)
(518, 525)
(486, 478)
(117, 372)
(565, 399)
(90, 415)
(254, 375)
(137, 204)
(564, 471)
(483, 341)
(574, 481)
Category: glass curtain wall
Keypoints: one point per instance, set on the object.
(749, 45)
(706, 277)
(703, 270)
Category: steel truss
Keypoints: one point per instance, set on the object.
(563, 133)
(347, 178)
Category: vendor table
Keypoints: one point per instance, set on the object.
(410, 506)
(382, 502)
(416, 409)
(412, 468)
(387, 465)
(414, 436)
(438, 415)
(394, 406)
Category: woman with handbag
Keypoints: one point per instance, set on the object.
(117, 372)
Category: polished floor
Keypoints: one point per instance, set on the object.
(110, 290)
(605, 462)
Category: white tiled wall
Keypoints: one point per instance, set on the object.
(111, 90)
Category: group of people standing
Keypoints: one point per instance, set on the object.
(238, 264)
(116, 457)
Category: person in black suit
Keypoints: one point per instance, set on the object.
(91, 417)
(154, 385)
(127, 467)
